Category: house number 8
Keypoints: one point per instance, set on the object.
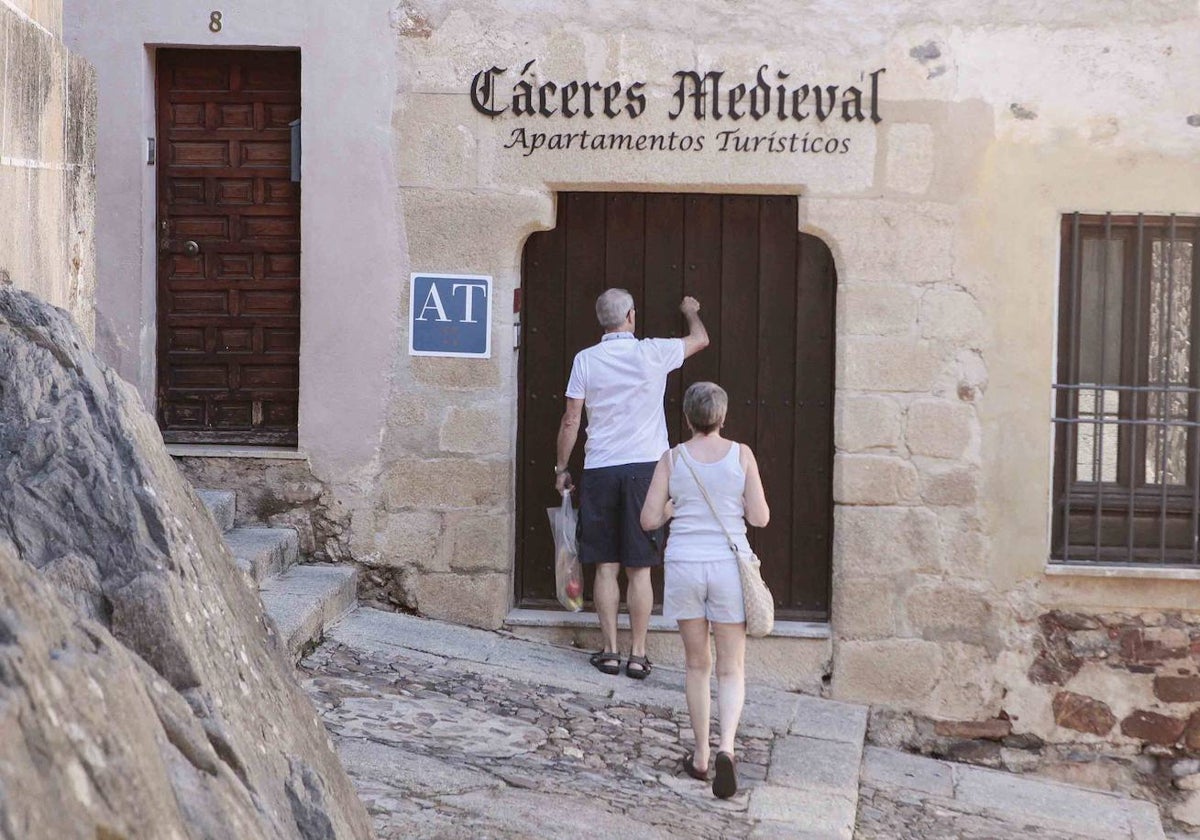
(214, 22)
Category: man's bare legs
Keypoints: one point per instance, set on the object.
(640, 597)
(731, 679)
(606, 597)
(694, 632)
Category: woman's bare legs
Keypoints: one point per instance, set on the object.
(731, 679)
(694, 632)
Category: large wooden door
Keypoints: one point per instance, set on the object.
(767, 297)
(229, 247)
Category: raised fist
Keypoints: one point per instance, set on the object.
(689, 306)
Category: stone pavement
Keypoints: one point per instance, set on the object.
(907, 796)
(449, 732)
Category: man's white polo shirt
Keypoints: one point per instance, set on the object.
(621, 381)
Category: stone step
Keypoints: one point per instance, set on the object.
(305, 600)
(263, 552)
(222, 504)
(811, 782)
(1028, 804)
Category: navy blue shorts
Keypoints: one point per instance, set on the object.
(610, 511)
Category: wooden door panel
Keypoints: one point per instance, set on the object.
(702, 280)
(229, 321)
(767, 294)
(625, 246)
(659, 312)
(279, 115)
(199, 153)
(228, 191)
(738, 315)
(187, 115)
(777, 336)
(202, 76)
(812, 501)
(541, 405)
(277, 154)
(276, 191)
(189, 191)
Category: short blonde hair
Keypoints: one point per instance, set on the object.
(704, 406)
(612, 306)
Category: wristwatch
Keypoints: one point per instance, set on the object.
(558, 472)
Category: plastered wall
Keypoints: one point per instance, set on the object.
(353, 254)
(47, 148)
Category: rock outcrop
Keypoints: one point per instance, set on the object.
(142, 693)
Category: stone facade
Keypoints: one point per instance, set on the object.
(943, 220)
(1130, 680)
(47, 161)
(1108, 699)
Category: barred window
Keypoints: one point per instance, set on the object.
(1127, 395)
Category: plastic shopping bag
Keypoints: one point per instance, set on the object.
(568, 573)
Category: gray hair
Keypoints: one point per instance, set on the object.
(704, 406)
(612, 306)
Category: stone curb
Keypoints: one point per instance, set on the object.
(1030, 800)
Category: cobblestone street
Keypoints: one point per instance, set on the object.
(455, 733)
(572, 754)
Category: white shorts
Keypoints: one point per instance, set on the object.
(711, 590)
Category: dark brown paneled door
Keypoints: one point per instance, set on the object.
(767, 298)
(229, 247)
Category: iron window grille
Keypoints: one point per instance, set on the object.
(1127, 395)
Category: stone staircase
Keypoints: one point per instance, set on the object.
(302, 599)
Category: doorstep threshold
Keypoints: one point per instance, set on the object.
(658, 624)
(217, 450)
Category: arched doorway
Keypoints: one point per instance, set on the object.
(767, 297)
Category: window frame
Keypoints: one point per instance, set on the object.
(1129, 501)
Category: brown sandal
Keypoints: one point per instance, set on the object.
(725, 782)
(643, 667)
(689, 767)
(605, 662)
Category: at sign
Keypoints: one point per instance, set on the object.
(450, 315)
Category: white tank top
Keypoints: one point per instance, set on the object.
(695, 534)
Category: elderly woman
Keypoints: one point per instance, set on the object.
(702, 587)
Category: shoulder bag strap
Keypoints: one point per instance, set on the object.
(711, 506)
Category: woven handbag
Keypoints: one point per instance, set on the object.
(760, 605)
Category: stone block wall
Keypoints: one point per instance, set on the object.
(916, 621)
(1104, 699)
(47, 161)
(1131, 680)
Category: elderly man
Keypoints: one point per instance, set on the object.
(621, 380)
